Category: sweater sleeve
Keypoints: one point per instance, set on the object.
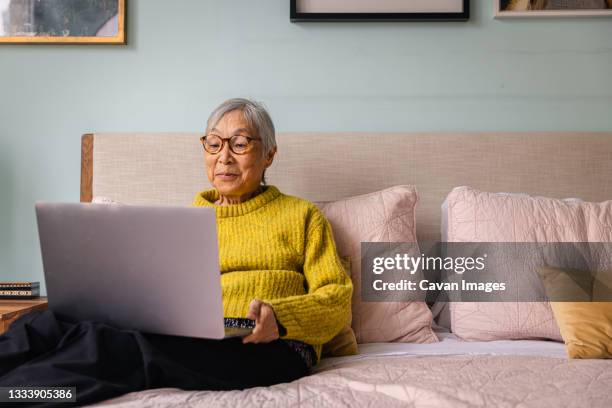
(317, 316)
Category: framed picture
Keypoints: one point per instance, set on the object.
(62, 21)
(379, 10)
(552, 8)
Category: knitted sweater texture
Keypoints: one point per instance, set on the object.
(280, 249)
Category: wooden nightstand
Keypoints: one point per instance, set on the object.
(12, 309)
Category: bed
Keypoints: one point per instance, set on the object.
(451, 373)
(167, 168)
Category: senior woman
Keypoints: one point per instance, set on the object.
(279, 266)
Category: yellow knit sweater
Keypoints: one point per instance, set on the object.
(280, 249)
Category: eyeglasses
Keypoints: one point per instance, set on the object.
(238, 144)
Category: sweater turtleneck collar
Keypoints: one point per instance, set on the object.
(207, 198)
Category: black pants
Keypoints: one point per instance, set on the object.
(44, 349)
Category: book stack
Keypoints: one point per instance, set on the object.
(19, 290)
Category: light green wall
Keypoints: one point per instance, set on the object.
(186, 56)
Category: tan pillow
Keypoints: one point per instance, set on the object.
(586, 327)
(602, 287)
(344, 343)
(382, 216)
(566, 284)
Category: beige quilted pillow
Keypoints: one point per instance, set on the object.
(383, 216)
(476, 216)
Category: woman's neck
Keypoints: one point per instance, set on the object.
(230, 200)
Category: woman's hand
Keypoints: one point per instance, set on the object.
(266, 328)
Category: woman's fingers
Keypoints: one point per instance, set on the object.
(251, 338)
(254, 314)
(266, 329)
(254, 309)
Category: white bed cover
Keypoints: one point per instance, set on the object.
(449, 345)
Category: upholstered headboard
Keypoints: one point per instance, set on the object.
(168, 167)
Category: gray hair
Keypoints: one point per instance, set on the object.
(256, 116)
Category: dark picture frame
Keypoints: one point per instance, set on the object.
(296, 15)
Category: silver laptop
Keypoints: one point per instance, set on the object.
(150, 268)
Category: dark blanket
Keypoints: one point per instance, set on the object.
(101, 361)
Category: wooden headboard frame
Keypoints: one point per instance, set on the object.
(87, 142)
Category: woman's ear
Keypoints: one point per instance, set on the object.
(270, 157)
